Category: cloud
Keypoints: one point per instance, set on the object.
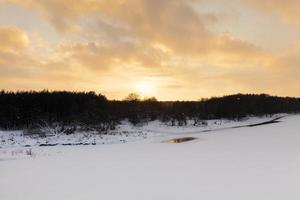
(98, 56)
(14, 44)
(12, 38)
(173, 24)
(288, 10)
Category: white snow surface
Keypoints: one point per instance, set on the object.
(124, 133)
(248, 163)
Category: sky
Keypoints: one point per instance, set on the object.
(171, 49)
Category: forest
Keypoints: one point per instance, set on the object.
(31, 109)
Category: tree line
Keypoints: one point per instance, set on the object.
(24, 110)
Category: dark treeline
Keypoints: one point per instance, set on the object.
(28, 109)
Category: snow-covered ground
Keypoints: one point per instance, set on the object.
(261, 163)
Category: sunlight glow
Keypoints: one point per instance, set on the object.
(145, 88)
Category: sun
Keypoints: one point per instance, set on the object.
(145, 88)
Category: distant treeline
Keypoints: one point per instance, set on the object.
(28, 109)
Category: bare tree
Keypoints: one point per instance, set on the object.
(133, 97)
(46, 129)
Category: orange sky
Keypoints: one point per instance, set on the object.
(171, 49)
